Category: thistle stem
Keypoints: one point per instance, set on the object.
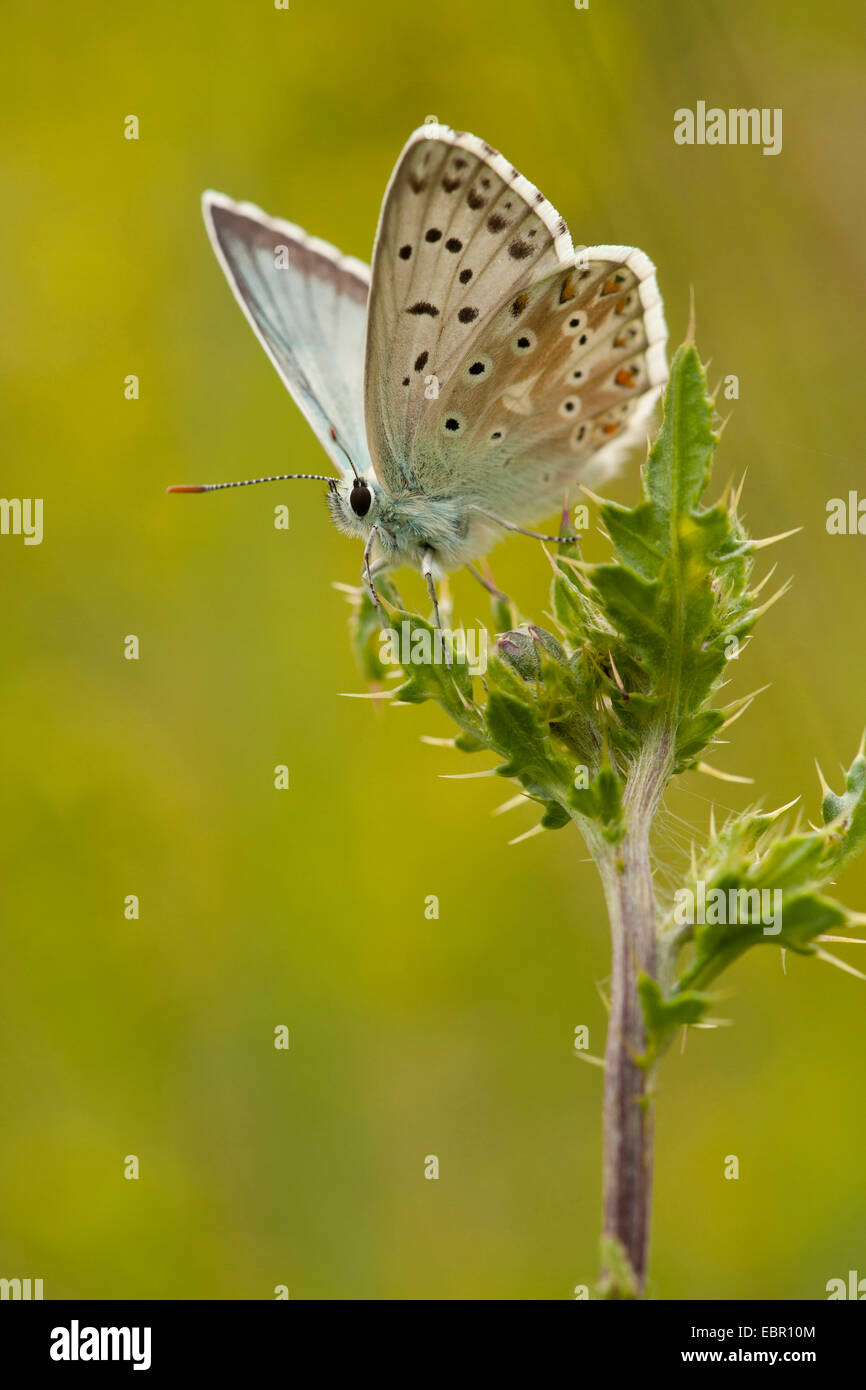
(628, 1117)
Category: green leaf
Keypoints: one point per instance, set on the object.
(555, 817)
(662, 1016)
(519, 736)
(846, 814)
(674, 594)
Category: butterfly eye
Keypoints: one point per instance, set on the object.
(360, 498)
(523, 342)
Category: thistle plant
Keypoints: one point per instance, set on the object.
(594, 719)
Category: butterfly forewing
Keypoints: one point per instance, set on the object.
(460, 232)
(508, 384)
(308, 307)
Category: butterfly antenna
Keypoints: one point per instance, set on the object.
(275, 478)
(343, 450)
(248, 482)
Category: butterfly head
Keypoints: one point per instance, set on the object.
(353, 504)
(352, 501)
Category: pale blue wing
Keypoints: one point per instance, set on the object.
(307, 305)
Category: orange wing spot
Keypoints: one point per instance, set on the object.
(619, 341)
(622, 304)
(612, 283)
(610, 427)
(626, 376)
(569, 287)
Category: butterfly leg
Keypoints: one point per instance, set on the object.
(512, 526)
(367, 571)
(427, 571)
(487, 582)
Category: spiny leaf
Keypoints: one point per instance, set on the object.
(662, 1016)
(846, 814)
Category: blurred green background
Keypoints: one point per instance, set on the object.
(306, 908)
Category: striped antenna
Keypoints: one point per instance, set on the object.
(247, 482)
(276, 478)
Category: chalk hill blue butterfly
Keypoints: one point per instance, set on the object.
(469, 381)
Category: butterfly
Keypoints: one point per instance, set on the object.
(466, 383)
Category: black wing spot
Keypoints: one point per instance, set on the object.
(465, 276)
(495, 222)
(524, 342)
(405, 252)
(474, 199)
(421, 361)
(422, 307)
(467, 315)
(433, 234)
(519, 250)
(453, 244)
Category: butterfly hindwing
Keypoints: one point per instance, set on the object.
(307, 305)
(555, 388)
